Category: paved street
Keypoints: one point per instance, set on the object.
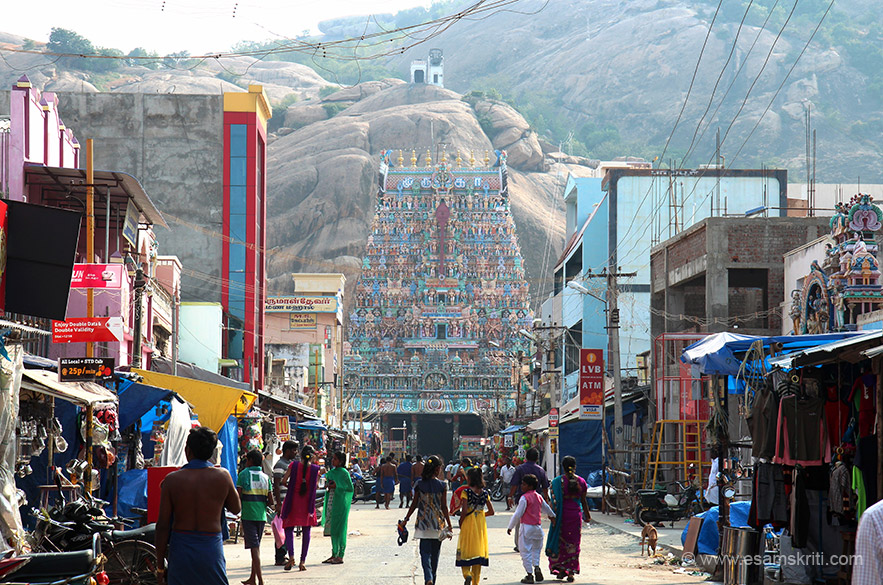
(373, 557)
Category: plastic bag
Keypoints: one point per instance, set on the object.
(278, 531)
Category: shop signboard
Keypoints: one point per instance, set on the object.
(302, 321)
(88, 330)
(85, 369)
(553, 432)
(3, 240)
(591, 384)
(470, 446)
(508, 440)
(301, 304)
(553, 418)
(97, 276)
(283, 428)
(130, 226)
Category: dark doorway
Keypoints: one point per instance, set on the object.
(435, 435)
(441, 331)
(419, 76)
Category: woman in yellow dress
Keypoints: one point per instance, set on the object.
(472, 552)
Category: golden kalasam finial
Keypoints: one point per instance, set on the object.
(459, 160)
(428, 158)
(487, 158)
(401, 159)
(444, 158)
(413, 158)
(472, 158)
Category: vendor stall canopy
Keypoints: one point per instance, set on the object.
(213, 403)
(79, 393)
(722, 353)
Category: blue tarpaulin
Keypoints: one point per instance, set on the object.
(137, 399)
(229, 438)
(311, 425)
(581, 439)
(511, 429)
(709, 538)
(133, 492)
(716, 354)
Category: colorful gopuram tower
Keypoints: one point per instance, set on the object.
(434, 330)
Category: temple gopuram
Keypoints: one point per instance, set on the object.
(847, 283)
(438, 307)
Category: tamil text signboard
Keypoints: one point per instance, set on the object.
(84, 369)
(591, 384)
(302, 321)
(301, 304)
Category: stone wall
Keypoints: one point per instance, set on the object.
(173, 144)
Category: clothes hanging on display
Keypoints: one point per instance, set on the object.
(802, 432)
(837, 414)
(799, 508)
(864, 397)
(763, 423)
(840, 495)
(866, 463)
(770, 503)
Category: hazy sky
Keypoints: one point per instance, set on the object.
(198, 26)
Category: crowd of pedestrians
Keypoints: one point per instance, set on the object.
(190, 526)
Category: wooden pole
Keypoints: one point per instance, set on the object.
(90, 235)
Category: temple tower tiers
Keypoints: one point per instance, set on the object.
(847, 283)
(443, 294)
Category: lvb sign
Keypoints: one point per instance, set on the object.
(591, 384)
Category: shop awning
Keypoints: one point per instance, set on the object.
(851, 349)
(717, 354)
(511, 429)
(137, 399)
(79, 393)
(311, 425)
(57, 184)
(213, 403)
(288, 406)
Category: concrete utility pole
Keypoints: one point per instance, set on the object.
(613, 348)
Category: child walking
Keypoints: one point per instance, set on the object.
(253, 486)
(472, 553)
(530, 537)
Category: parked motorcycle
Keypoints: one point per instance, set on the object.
(498, 494)
(363, 488)
(660, 506)
(71, 568)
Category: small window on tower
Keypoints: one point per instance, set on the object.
(435, 78)
(441, 331)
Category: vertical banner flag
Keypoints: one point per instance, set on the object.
(591, 384)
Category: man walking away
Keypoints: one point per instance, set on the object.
(528, 467)
(388, 481)
(253, 486)
(192, 502)
(416, 470)
(404, 473)
(289, 452)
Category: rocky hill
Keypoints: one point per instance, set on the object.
(322, 188)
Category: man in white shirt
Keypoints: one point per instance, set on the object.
(506, 473)
(867, 566)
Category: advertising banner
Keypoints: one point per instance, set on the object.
(86, 330)
(591, 384)
(283, 428)
(470, 446)
(85, 369)
(97, 276)
(301, 304)
(553, 418)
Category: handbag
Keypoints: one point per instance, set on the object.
(278, 531)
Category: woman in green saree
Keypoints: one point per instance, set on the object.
(338, 498)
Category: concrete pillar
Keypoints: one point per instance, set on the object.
(456, 440)
(716, 280)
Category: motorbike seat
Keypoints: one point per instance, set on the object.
(49, 567)
(145, 533)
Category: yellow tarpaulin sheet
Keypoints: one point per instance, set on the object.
(213, 403)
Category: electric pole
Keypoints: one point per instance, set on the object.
(613, 348)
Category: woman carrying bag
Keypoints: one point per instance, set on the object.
(433, 524)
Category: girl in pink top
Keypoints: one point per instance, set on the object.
(530, 536)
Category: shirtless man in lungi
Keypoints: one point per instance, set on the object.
(192, 502)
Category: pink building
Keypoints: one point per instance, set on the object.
(40, 160)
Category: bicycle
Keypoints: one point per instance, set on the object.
(618, 496)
